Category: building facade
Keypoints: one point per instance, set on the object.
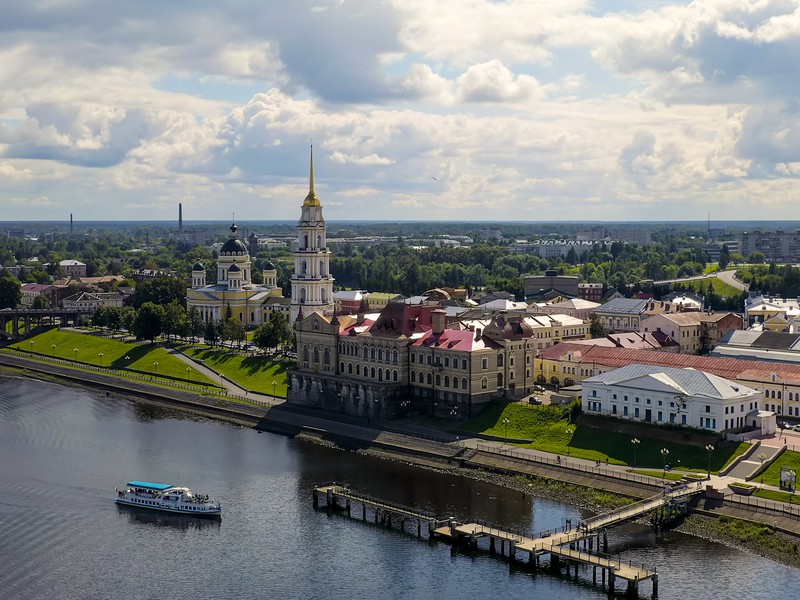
(234, 289)
(667, 395)
(312, 283)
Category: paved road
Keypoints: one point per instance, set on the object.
(728, 277)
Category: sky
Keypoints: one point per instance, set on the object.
(473, 110)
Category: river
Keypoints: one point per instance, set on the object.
(64, 450)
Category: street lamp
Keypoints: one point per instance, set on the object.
(505, 425)
(31, 343)
(274, 384)
(101, 355)
(709, 449)
(635, 442)
(75, 350)
(188, 370)
(155, 366)
(569, 431)
(664, 455)
(53, 347)
(761, 458)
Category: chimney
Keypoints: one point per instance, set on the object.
(180, 218)
(70, 223)
(437, 321)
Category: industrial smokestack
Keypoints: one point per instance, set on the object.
(70, 223)
(180, 217)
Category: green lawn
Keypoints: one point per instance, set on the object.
(660, 474)
(255, 373)
(721, 288)
(777, 495)
(791, 459)
(550, 431)
(96, 349)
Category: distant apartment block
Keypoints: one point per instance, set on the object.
(565, 284)
(590, 291)
(73, 268)
(775, 245)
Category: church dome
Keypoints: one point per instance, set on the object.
(233, 247)
(198, 267)
(269, 266)
(234, 269)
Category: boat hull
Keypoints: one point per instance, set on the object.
(175, 510)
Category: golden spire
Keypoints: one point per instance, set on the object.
(311, 199)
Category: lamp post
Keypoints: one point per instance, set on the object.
(709, 449)
(664, 455)
(761, 458)
(101, 355)
(53, 348)
(75, 350)
(635, 442)
(274, 384)
(155, 366)
(505, 422)
(188, 370)
(569, 431)
(31, 343)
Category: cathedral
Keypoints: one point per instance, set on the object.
(252, 304)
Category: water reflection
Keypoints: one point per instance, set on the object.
(143, 516)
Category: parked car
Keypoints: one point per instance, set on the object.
(796, 428)
(534, 400)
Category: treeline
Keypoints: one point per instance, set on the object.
(490, 265)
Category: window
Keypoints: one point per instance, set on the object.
(594, 393)
(708, 408)
(484, 383)
(485, 363)
(636, 412)
(413, 377)
(500, 360)
(464, 364)
(464, 383)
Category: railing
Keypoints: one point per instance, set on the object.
(572, 465)
(765, 505)
(209, 390)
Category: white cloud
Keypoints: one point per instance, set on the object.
(454, 110)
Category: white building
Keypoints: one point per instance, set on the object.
(661, 395)
(312, 284)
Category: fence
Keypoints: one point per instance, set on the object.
(572, 465)
(209, 390)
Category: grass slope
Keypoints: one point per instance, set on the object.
(791, 459)
(96, 349)
(550, 431)
(255, 373)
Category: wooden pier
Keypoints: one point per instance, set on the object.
(566, 547)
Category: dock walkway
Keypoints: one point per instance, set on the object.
(573, 547)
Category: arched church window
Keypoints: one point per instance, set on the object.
(305, 242)
(316, 354)
(303, 267)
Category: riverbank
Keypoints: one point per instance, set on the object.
(594, 492)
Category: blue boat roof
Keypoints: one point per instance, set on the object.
(150, 486)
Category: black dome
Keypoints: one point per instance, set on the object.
(269, 266)
(198, 267)
(234, 268)
(233, 247)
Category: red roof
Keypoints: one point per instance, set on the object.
(730, 368)
(454, 339)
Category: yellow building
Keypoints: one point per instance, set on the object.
(250, 303)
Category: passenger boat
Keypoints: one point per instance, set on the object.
(167, 497)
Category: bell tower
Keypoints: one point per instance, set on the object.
(312, 284)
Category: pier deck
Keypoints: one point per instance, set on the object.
(563, 546)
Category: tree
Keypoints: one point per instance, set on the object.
(211, 334)
(159, 290)
(40, 301)
(175, 319)
(596, 329)
(10, 290)
(148, 322)
(196, 324)
(273, 334)
(756, 258)
(724, 257)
